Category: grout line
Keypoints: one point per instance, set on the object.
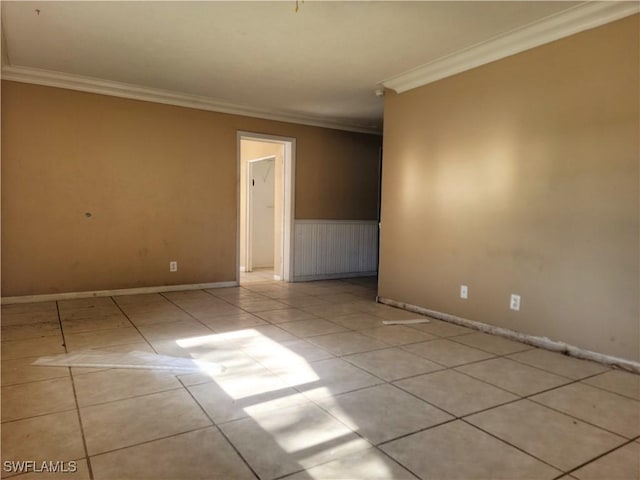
(193, 316)
(569, 472)
(512, 445)
(482, 410)
(151, 440)
(75, 398)
(508, 356)
(581, 380)
(287, 475)
(33, 381)
(405, 435)
(529, 397)
(39, 415)
(527, 347)
(134, 326)
(373, 447)
(396, 461)
(503, 388)
(582, 420)
(130, 397)
(456, 417)
(217, 427)
(414, 376)
(318, 403)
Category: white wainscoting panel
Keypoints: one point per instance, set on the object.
(335, 249)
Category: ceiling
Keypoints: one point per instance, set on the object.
(323, 62)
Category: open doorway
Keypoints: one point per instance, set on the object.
(265, 222)
(262, 214)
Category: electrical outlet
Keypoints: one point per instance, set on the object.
(464, 291)
(173, 266)
(515, 302)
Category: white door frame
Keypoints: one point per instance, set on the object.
(289, 163)
(248, 217)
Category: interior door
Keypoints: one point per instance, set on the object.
(262, 212)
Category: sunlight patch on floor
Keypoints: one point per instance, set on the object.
(266, 379)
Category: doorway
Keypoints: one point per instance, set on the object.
(265, 217)
(261, 214)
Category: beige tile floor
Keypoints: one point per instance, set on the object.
(314, 387)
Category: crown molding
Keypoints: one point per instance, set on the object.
(147, 94)
(577, 19)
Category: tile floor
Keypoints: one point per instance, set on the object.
(314, 387)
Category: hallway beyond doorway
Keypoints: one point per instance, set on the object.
(257, 275)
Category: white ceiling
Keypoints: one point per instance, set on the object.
(323, 62)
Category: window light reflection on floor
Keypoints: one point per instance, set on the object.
(267, 379)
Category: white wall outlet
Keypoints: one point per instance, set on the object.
(464, 291)
(515, 302)
(173, 266)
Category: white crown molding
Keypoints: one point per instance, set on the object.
(147, 94)
(577, 19)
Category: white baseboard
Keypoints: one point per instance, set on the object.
(243, 268)
(541, 342)
(333, 276)
(110, 293)
(277, 277)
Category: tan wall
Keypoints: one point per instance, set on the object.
(251, 150)
(522, 176)
(160, 183)
(342, 183)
